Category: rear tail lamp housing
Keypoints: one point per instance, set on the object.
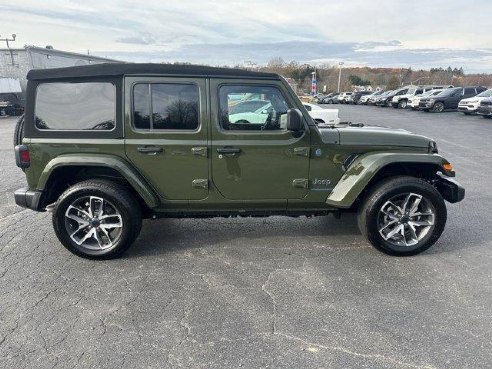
(22, 156)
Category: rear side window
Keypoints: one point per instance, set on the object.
(75, 106)
(470, 91)
(165, 106)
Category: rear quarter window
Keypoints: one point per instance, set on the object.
(75, 106)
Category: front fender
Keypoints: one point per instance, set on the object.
(114, 162)
(365, 167)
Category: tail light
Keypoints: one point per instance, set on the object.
(22, 156)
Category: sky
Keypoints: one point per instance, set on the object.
(378, 33)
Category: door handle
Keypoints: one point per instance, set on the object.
(229, 150)
(151, 150)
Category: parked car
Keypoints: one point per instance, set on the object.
(386, 101)
(10, 108)
(321, 115)
(355, 97)
(330, 99)
(365, 98)
(485, 108)
(343, 96)
(470, 105)
(449, 98)
(158, 142)
(374, 100)
(413, 102)
(250, 111)
(401, 101)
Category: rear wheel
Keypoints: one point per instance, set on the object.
(402, 104)
(97, 219)
(403, 216)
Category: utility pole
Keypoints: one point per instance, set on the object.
(6, 39)
(339, 75)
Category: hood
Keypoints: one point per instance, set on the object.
(474, 98)
(378, 136)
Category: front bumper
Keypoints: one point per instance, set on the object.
(468, 108)
(485, 110)
(450, 189)
(30, 199)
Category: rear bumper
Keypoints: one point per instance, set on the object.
(450, 189)
(27, 198)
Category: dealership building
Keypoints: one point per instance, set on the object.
(15, 63)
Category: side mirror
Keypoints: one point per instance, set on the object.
(294, 120)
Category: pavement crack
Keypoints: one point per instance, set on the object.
(344, 350)
(270, 295)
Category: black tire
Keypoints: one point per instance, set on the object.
(402, 104)
(369, 211)
(114, 194)
(438, 107)
(19, 131)
(466, 113)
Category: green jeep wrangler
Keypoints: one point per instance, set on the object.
(104, 146)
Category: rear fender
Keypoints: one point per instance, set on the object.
(120, 165)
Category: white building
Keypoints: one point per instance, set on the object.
(15, 63)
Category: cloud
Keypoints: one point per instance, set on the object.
(143, 39)
(317, 53)
(220, 32)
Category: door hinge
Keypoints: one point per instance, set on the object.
(300, 183)
(199, 151)
(301, 151)
(200, 183)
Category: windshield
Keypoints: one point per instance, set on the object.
(431, 93)
(411, 91)
(487, 93)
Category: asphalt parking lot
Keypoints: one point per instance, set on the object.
(257, 293)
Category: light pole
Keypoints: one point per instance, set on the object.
(8, 46)
(339, 75)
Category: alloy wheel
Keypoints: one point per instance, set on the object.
(406, 219)
(93, 223)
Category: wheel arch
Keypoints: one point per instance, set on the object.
(66, 170)
(369, 169)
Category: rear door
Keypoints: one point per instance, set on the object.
(453, 101)
(166, 134)
(256, 158)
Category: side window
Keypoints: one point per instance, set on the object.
(458, 92)
(75, 106)
(470, 91)
(165, 106)
(252, 108)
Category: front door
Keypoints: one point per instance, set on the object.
(166, 134)
(254, 156)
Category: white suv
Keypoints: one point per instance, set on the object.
(470, 105)
(342, 98)
(414, 101)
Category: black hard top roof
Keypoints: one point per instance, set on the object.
(120, 69)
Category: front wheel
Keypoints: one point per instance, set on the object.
(402, 104)
(403, 216)
(97, 219)
(438, 107)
